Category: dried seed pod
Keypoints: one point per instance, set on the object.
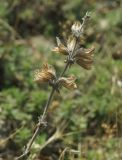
(84, 57)
(71, 43)
(65, 50)
(46, 74)
(68, 83)
(61, 48)
(76, 28)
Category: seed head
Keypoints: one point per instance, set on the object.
(71, 43)
(65, 49)
(76, 28)
(61, 48)
(46, 74)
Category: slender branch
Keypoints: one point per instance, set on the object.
(48, 103)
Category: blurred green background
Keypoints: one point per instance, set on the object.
(88, 119)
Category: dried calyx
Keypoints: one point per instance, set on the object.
(78, 28)
(68, 83)
(71, 44)
(65, 50)
(60, 47)
(84, 57)
(81, 56)
(45, 74)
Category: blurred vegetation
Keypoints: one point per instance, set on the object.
(89, 118)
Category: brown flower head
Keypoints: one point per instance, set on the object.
(68, 83)
(65, 49)
(61, 48)
(78, 28)
(71, 43)
(46, 74)
(84, 57)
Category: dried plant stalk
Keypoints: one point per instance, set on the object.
(75, 54)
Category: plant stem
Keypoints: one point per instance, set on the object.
(41, 121)
(66, 67)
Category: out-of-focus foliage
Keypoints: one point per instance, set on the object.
(91, 116)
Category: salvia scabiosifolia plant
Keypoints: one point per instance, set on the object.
(75, 54)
